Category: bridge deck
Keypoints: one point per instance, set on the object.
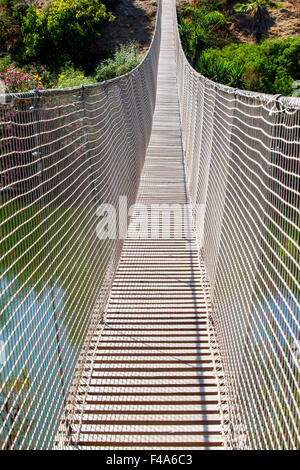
(153, 383)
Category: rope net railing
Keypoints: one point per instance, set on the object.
(63, 153)
(242, 152)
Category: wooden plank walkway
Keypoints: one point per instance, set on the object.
(153, 383)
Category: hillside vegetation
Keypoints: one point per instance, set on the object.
(250, 61)
(65, 43)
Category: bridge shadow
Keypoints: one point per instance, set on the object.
(193, 284)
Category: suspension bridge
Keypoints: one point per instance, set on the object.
(185, 340)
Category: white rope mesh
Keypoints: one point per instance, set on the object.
(63, 152)
(242, 153)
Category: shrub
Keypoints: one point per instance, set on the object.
(5, 63)
(48, 79)
(70, 77)
(62, 31)
(124, 60)
(221, 71)
(186, 32)
(35, 36)
(16, 80)
(270, 67)
(71, 23)
(25, 78)
(9, 26)
(197, 29)
(206, 5)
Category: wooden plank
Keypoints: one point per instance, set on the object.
(149, 370)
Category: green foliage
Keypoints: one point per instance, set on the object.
(221, 71)
(270, 67)
(47, 79)
(57, 34)
(62, 31)
(250, 7)
(214, 18)
(5, 63)
(70, 77)
(9, 25)
(70, 23)
(197, 28)
(186, 32)
(124, 60)
(28, 77)
(205, 6)
(35, 37)
(16, 80)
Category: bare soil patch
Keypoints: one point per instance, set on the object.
(135, 21)
(283, 23)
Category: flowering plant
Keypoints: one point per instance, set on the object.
(16, 80)
(47, 79)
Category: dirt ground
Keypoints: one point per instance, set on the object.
(284, 22)
(135, 21)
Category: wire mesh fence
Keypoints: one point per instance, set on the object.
(63, 153)
(242, 157)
